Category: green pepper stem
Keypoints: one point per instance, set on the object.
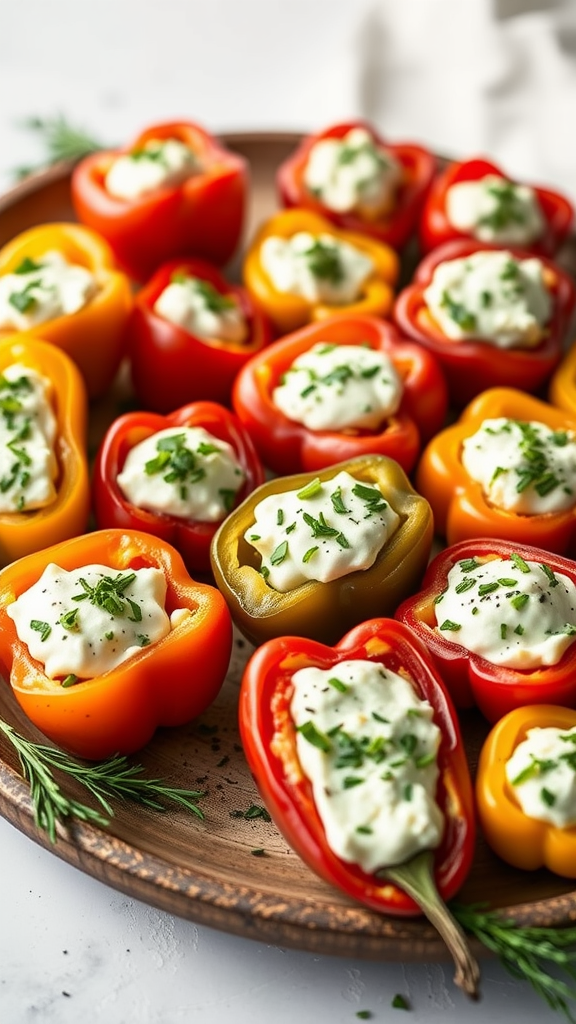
(416, 878)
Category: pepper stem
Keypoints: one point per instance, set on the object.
(416, 878)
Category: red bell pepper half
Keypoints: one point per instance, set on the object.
(170, 366)
(287, 446)
(418, 166)
(435, 228)
(269, 737)
(470, 678)
(191, 538)
(203, 216)
(472, 366)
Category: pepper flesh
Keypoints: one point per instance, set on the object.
(289, 312)
(461, 511)
(522, 841)
(203, 216)
(470, 678)
(287, 446)
(435, 228)
(473, 365)
(170, 366)
(269, 739)
(112, 509)
(418, 169)
(22, 533)
(324, 611)
(165, 684)
(94, 337)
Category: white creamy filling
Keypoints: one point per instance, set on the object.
(514, 613)
(184, 472)
(160, 163)
(542, 772)
(321, 532)
(369, 747)
(319, 268)
(83, 623)
(493, 209)
(353, 173)
(42, 289)
(491, 296)
(198, 307)
(28, 465)
(523, 467)
(334, 387)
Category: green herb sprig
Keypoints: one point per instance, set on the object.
(61, 141)
(527, 953)
(115, 777)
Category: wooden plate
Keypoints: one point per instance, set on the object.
(207, 871)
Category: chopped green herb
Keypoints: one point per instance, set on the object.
(552, 579)
(547, 797)
(311, 489)
(487, 588)
(309, 554)
(70, 680)
(44, 628)
(503, 630)
(337, 502)
(469, 564)
(279, 553)
(400, 1003)
(69, 620)
(519, 562)
(280, 517)
(349, 781)
(519, 601)
(465, 585)
(338, 684)
(313, 735)
(453, 627)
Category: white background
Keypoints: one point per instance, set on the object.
(462, 77)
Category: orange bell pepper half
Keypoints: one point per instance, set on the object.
(461, 511)
(287, 311)
(94, 336)
(22, 533)
(520, 840)
(164, 684)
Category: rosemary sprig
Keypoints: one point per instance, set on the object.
(527, 952)
(115, 777)
(61, 140)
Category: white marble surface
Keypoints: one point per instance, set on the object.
(495, 77)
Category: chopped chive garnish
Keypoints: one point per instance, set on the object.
(519, 601)
(69, 680)
(337, 502)
(425, 760)
(313, 735)
(41, 627)
(338, 684)
(503, 630)
(453, 627)
(549, 574)
(505, 581)
(547, 797)
(487, 588)
(519, 562)
(349, 781)
(280, 517)
(469, 564)
(519, 630)
(311, 489)
(465, 585)
(69, 620)
(309, 554)
(279, 553)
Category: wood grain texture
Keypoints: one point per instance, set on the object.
(206, 871)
